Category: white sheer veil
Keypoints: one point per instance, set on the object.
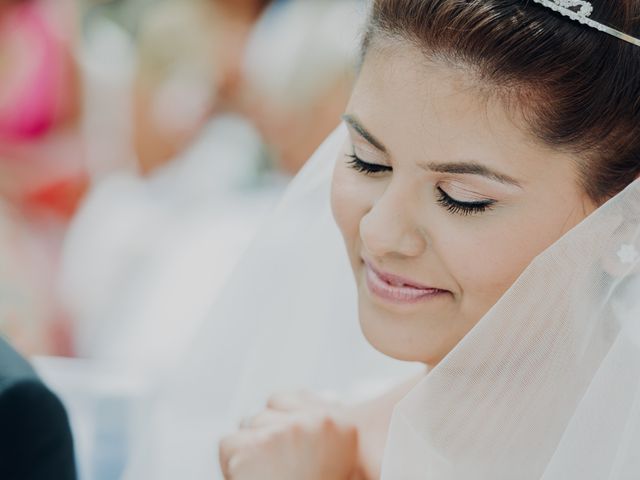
(287, 320)
(546, 386)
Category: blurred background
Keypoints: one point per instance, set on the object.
(120, 120)
(142, 143)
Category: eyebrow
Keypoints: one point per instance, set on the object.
(363, 132)
(471, 168)
(464, 168)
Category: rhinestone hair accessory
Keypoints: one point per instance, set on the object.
(581, 10)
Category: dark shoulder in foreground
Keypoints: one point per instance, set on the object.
(35, 438)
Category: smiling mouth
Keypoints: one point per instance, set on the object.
(394, 290)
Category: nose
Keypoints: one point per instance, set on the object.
(389, 228)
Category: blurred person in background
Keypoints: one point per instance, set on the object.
(149, 249)
(41, 153)
(189, 55)
(297, 75)
(140, 227)
(283, 65)
(42, 174)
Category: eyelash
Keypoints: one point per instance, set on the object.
(463, 208)
(450, 204)
(367, 168)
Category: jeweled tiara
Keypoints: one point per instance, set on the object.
(581, 10)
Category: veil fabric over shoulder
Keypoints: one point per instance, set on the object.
(547, 384)
(287, 320)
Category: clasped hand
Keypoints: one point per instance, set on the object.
(296, 437)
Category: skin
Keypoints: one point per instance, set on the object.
(428, 116)
(297, 436)
(414, 120)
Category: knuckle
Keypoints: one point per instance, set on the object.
(297, 429)
(327, 423)
(351, 434)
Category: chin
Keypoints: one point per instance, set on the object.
(398, 342)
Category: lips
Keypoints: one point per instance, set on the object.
(397, 289)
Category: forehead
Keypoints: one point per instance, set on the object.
(428, 110)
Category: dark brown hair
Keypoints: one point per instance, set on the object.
(578, 88)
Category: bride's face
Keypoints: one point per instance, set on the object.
(443, 199)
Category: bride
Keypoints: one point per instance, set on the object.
(485, 191)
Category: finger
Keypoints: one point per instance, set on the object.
(265, 418)
(284, 402)
(244, 466)
(292, 401)
(230, 447)
(234, 466)
(241, 452)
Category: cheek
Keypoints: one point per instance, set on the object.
(484, 276)
(485, 262)
(349, 203)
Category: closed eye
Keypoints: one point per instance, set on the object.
(462, 208)
(449, 203)
(364, 167)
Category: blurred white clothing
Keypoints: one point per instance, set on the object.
(145, 257)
